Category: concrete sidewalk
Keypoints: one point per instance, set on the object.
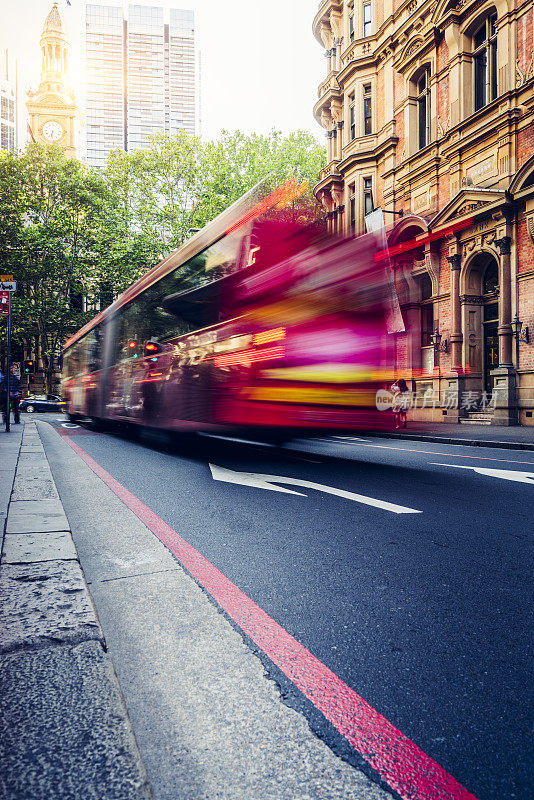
(515, 437)
(64, 729)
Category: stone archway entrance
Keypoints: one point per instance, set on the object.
(480, 324)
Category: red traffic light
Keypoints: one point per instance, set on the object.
(151, 347)
(132, 344)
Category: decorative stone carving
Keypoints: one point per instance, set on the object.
(337, 195)
(504, 245)
(468, 208)
(326, 119)
(325, 33)
(530, 227)
(432, 267)
(473, 299)
(336, 110)
(519, 77)
(455, 261)
(336, 23)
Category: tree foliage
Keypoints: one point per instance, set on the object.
(179, 183)
(67, 231)
(60, 238)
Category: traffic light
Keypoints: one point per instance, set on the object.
(29, 367)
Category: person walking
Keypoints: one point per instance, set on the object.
(15, 394)
(401, 399)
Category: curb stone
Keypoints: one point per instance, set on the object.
(64, 727)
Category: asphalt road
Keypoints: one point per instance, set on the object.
(425, 614)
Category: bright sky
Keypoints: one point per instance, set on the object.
(260, 62)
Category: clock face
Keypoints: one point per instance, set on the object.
(52, 131)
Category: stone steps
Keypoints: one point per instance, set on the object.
(477, 418)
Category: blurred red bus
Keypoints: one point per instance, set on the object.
(253, 324)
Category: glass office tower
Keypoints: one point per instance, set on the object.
(140, 77)
(8, 100)
(105, 97)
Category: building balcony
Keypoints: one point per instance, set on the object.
(329, 176)
(329, 83)
(323, 16)
(359, 55)
(324, 102)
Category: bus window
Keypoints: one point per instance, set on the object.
(94, 349)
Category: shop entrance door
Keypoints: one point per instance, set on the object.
(491, 351)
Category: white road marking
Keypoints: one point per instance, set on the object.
(69, 425)
(261, 481)
(505, 474)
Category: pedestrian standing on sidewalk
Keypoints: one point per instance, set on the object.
(15, 393)
(401, 399)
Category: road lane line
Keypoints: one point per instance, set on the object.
(261, 481)
(517, 475)
(447, 455)
(400, 762)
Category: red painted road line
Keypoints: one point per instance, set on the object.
(399, 761)
(431, 453)
(81, 432)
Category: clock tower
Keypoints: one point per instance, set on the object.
(54, 115)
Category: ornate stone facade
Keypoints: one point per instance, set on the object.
(54, 116)
(429, 111)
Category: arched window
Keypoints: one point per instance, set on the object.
(485, 62)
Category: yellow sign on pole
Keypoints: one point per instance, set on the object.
(4, 278)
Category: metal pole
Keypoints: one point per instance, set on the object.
(7, 381)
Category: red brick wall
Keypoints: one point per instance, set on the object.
(380, 98)
(525, 249)
(526, 315)
(443, 55)
(525, 145)
(444, 271)
(379, 14)
(399, 131)
(443, 100)
(524, 40)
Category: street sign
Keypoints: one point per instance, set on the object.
(5, 302)
(9, 286)
(6, 278)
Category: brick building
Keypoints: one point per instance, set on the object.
(429, 111)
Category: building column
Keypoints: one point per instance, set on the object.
(505, 304)
(456, 317)
(504, 377)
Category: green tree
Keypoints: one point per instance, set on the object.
(236, 162)
(157, 189)
(61, 239)
(179, 184)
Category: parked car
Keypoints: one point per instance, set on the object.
(42, 402)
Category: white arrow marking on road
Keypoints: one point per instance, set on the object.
(505, 474)
(261, 481)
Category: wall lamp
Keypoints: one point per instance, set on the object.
(517, 328)
(439, 346)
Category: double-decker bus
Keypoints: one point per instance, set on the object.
(253, 324)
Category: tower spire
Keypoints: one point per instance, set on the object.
(52, 23)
